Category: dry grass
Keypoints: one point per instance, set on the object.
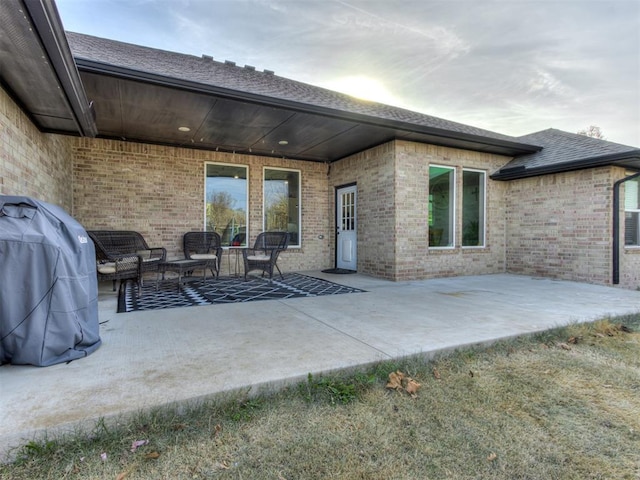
(561, 405)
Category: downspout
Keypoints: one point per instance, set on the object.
(616, 227)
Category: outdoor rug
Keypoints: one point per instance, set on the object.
(223, 290)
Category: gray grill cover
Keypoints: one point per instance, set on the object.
(48, 285)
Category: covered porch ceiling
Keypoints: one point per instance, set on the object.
(144, 107)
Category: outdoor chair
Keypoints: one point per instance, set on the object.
(123, 255)
(264, 254)
(204, 246)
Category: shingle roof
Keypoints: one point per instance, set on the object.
(204, 70)
(564, 151)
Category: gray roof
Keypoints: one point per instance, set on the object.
(206, 71)
(564, 151)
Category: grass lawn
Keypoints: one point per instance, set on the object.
(564, 404)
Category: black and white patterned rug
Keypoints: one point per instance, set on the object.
(223, 290)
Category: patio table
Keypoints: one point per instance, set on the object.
(181, 266)
(238, 253)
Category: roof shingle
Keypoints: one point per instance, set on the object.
(563, 149)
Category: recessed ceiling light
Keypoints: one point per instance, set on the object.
(184, 129)
(283, 142)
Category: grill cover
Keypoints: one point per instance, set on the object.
(48, 285)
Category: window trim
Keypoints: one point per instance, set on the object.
(453, 217)
(247, 170)
(284, 169)
(484, 209)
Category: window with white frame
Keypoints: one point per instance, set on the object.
(442, 181)
(226, 201)
(473, 208)
(282, 205)
(632, 213)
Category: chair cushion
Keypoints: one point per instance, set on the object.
(107, 268)
(259, 258)
(145, 254)
(203, 256)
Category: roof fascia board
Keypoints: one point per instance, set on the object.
(48, 27)
(90, 66)
(610, 159)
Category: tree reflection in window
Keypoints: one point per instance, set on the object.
(226, 202)
(282, 202)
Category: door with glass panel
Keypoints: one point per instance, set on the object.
(346, 228)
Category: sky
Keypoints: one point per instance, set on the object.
(510, 66)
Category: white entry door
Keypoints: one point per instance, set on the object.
(347, 229)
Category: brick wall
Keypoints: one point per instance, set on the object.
(556, 225)
(560, 225)
(414, 258)
(159, 191)
(374, 172)
(393, 199)
(32, 163)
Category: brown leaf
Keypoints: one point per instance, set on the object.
(564, 346)
(395, 380)
(152, 455)
(492, 457)
(573, 340)
(123, 475)
(412, 387)
(218, 429)
(436, 374)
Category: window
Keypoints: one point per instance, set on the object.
(473, 201)
(632, 213)
(226, 202)
(282, 202)
(441, 206)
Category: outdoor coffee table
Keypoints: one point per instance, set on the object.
(181, 267)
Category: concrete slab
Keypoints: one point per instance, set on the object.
(158, 357)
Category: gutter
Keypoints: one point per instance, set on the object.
(100, 68)
(48, 28)
(616, 227)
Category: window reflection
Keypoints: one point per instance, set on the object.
(441, 206)
(282, 202)
(226, 202)
(473, 195)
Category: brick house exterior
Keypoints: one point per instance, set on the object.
(548, 209)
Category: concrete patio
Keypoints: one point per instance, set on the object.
(187, 354)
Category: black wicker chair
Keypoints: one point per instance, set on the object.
(264, 254)
(123, 255)
(204, 246)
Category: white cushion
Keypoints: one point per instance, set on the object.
(259, 258)
(203, 256)
(107, 268)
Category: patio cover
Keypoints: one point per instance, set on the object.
(48, 285)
